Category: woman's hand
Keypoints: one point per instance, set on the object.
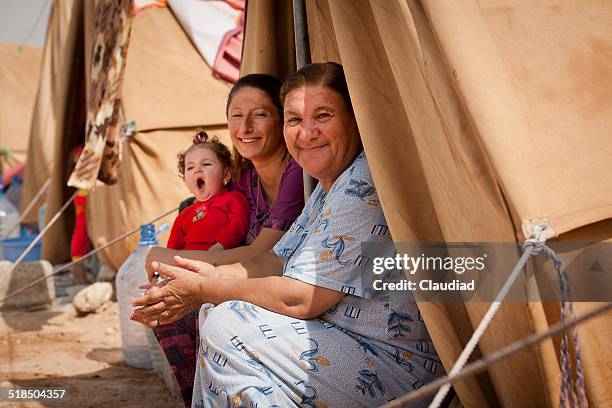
(169, 256)
(199, 267)
(172, 298)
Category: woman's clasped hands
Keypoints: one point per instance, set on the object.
(174, 295)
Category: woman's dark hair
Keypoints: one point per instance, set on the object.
(265, 83)
(202, 141)
(327, 74)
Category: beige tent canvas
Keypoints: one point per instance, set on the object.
(168, 92)
(479, 118)
(19, 73)
(22, 29)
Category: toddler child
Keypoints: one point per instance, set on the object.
(218, 219)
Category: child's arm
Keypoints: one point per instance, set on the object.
(236, 230)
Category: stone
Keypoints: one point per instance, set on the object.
(106, 274)
(93, 297)
(11, 280)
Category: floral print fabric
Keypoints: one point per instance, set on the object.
(370, 348)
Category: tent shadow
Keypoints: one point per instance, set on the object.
(23, 320)
(117, 385)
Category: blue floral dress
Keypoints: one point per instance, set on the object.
(372, 347)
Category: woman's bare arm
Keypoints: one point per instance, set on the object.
(283, 295)
(184, 290)
(264, 242)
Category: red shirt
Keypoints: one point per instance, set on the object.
(224, 219)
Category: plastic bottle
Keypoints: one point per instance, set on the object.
(131, 275)
(9, 216)
(13, 192)
(42, 212)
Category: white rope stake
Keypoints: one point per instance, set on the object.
(43, 232)
(530, 246)
(31, 205)
(81, 259)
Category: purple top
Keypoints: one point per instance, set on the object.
(288, 205)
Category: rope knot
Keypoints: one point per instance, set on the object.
(534, 244)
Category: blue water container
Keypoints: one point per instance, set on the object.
(13, 247)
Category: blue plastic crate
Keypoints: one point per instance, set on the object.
(13, 247)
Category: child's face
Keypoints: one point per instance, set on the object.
(205, 176)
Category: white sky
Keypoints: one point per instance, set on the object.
(24, 22)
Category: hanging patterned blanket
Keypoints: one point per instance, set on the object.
(102, 148)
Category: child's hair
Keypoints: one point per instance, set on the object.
(202, 140)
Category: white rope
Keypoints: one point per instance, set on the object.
(81, 259)
(42, 233)
(31, 205)
(528, 250)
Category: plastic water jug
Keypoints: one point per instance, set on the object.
(9, 217)
(131, 275)
(13, 192)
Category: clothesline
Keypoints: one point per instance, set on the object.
(90, 253)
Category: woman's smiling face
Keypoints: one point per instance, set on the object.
(205, 175)
(321, 134)
(254, 124)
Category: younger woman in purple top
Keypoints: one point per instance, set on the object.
(272, 182)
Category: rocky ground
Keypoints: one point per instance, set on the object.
(57, 348)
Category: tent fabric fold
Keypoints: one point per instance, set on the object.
(50, 103)
(54, 123)
(468, 138)
(427, 139)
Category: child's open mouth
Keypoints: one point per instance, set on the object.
(200, 183)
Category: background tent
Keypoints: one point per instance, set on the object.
(50, 106)
(168, 91)
(19, 82)
(478, 119)
(22, 31)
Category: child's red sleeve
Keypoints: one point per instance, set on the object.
(177, 236)
(236, 230)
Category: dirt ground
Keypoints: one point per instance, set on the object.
(56, 348)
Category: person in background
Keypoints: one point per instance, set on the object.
(79, 243)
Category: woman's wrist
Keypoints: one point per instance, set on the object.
(210, 290)
(232, 271)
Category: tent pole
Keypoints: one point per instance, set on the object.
(300, 29)
(302, 57)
